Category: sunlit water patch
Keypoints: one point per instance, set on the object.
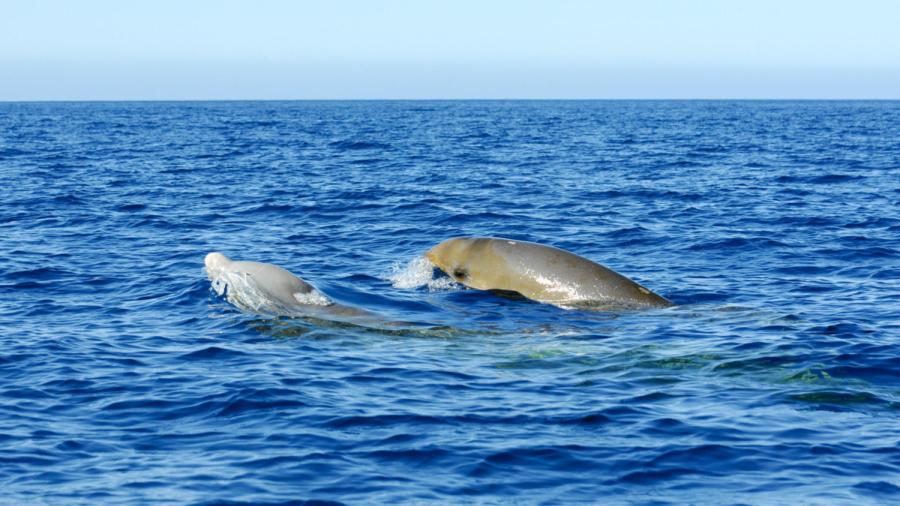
(128, 377)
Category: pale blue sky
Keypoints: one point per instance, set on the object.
(93, 49)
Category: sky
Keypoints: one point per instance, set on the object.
(404, 49)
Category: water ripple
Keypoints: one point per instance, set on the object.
(124, 379)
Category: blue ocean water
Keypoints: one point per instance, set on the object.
(775, 227)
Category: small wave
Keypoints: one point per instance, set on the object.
(213, 353)
(244, 406)
(820, 179)
(419, 272)
(40, 274)
(358, 145)
(268, 208)
(834, 178)
(878, 487)
(11, 152)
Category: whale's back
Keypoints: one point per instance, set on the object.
(274, 280)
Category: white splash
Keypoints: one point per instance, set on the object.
(239, 289)
(313, 298)
(419, 272)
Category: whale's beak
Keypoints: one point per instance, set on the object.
(437, 255)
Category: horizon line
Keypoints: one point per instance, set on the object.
(481, 99)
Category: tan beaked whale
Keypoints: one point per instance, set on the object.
(263, 288)
(539, 272)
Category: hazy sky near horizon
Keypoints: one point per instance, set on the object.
(279, 49)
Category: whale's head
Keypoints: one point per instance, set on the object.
(215, 262)
(459, 258)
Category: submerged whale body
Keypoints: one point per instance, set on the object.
(538, 272)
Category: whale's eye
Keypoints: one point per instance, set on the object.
(459, 273)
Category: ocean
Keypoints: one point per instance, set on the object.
(126, 378)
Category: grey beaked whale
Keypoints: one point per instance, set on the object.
(264, 288)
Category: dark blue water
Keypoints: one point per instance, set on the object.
(775, 227)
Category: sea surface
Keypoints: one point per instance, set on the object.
(125, 378)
